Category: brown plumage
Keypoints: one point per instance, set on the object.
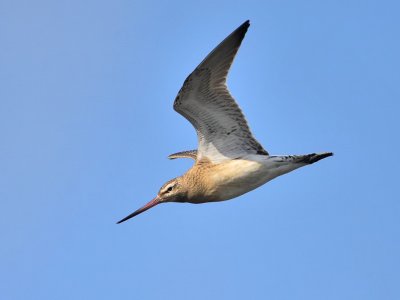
(229, 161)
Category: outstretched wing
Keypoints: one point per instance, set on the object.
(184, 154)
(205, 101)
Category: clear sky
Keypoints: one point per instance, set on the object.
(86, 124)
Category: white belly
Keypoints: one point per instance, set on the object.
(236, 177)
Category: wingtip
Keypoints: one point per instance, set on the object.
(245, 25)
(241, 30)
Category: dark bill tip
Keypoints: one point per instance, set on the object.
(149, 205)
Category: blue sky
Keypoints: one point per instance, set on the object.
(86, 122)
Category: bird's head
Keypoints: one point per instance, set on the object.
(172, 191)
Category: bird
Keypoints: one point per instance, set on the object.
(229, 161)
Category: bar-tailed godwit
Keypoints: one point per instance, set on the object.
(229, 161)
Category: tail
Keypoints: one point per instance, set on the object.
(307, 159)
(313, 157)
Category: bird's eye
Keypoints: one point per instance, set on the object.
(169, 189)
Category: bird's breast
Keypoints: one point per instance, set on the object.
(229, 179)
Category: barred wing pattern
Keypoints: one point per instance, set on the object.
(205, 101)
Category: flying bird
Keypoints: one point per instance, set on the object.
(229, 161)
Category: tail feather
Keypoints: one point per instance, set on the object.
(314, 157)
(301, 159)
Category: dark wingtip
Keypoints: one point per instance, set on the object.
(245, 26)
(242, 29)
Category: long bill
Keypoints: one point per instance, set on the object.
(149, 205)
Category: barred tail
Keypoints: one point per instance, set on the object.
(313, 157)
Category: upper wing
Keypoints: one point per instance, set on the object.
(205, 101)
